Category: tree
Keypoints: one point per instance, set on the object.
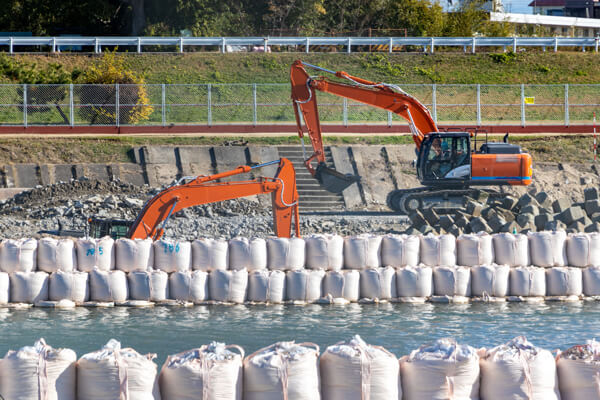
(419, 17)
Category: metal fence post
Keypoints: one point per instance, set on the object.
(596, 43)
(254, 105)
(389, 115)
(139, 45)
(71, 105)
(478, 104)
(434, 101)
(567, 104)
(514, 44)
(555, 44)
(345, 111)
(117, 105)
(223, 45)
(180, 44)
(522, 104)
(54, 45)
(391, 45)
(209, 103)
(307, 45)
(163, 104)
(432, 44)
(96, 46)
(349, 50)
(10, 45)
(25, 105)
(473, 46)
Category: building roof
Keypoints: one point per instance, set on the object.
(547, 3)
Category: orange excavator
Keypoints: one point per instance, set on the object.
(448, 164)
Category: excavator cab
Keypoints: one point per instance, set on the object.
(445, 159)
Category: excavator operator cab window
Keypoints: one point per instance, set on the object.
(447, 158)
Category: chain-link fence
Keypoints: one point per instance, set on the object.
(253, 104)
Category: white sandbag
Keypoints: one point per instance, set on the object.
(578, 372)
(518, 370)
(400, 250)
(490, 280)
(28, 287)
(362, 251)
(95, 253)
(511, 249)
(442, 370)
(113, 373)
(210, 254)
(344, 284)
(228, 286)
(39, 372)
(247, 253)
(69, 286)
(284, 370)
(134, 254)
(564, 281)
(18, 255)
(591, 281)
(414, 281)
(108, 286)
(475, 249)
(452, 281)
(212, 372)
(285, 254)
(548, 248)
(324, 251)
(438, 250)
(527, 281)
(354, 370)
(148, 285)
(583, 249)
(189, 286)
(172, 255)
(56, 255)
(266, 286)
(378, 283)
(304, 285)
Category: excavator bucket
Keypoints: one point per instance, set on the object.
(332, 180)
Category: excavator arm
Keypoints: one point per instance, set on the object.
(152, 219)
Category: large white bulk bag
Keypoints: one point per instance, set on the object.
(95, 253)
(247, 253)
(378, 283)
(266, 286)
(548, 248)
(210, 254)
(285, 253)
(228, 286)
(324, 251)
(108, 286)
(362, 251)
(4, 288)
(69, 285)
(113, 373)
(189, 286)
(342, 284)
(284, 370)
(475, 249)
(18, 255)
(172, 255)
(304, 285)
(591, 281)
(438, 250)
(564, 281)
(400, 250)
(134, 254)
(28, 287)
(56, 255)
(583, 249)
(414, 281)
(148, 285)
(354, 370)
(511, 249)
(212, 372)
(579, 371)
(39, 372)
(518, 370)
(452, 281)
(490, 280)
(527, 281)
(440, 371)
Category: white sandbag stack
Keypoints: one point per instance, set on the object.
(284, 370)
(18, 255)
(591, 281)
(324, 251)
(134, 254)
(362, 251)
(414, 281)
(583, 249)
(95, 253)
(68, 285)
(452, 281)
(28, 287)
(344, 284)
(527, 281)
(518, 370)
(400, 250)
(490, 280)
(579, 371)
(354, 370)
(56, 255)
(548, 248)
(443, 370)
(228, 286)
(114, 373)
(285, 254)
(172, 255)
(511, 249)
(475, 249)
(39, 372)
(4, 288)
(189, 286)
(212, 372)
(564, 281)
(148, 285)
(210, 254)
(247, 253)
(304, 285)
(266, 286)
(378, 283)
(108, 286)
(438, 250)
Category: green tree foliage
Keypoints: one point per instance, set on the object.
(420, 18)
